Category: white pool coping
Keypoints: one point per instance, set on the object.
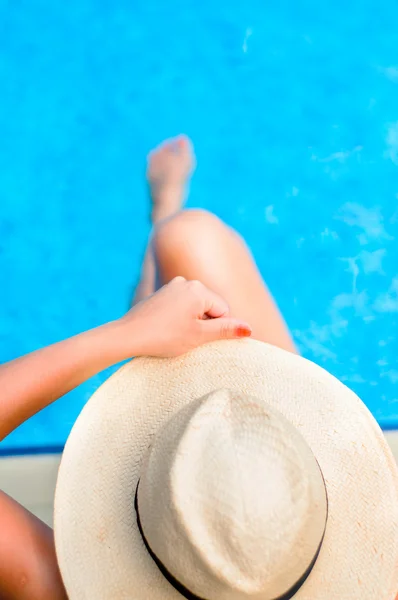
(31, 479)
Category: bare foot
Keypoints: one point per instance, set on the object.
(170, 167)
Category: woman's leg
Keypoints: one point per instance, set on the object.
(28, 564)
(170, 166)
(198, 245)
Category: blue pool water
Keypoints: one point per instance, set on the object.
(293, 110)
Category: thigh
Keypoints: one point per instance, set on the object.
(198, 245)
(28, 565)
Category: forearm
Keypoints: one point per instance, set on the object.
(31, 382)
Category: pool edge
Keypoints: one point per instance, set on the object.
(31, 479)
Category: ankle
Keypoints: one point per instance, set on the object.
(166, 201)
(163, 191)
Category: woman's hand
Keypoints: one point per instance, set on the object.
(180, 316)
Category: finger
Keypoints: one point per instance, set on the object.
(225, 329)
(214, 306)
(178, 279)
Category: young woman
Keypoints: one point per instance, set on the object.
(211, 290)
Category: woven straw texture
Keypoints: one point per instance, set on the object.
(100, 551)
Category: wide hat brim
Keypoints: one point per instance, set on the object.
(99, 548)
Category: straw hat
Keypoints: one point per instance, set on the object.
(237, 471)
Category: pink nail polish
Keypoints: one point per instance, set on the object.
(243, 331)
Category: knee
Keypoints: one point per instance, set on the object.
(186, 229)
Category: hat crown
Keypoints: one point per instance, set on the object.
(231, 499)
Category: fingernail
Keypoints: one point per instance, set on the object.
(243, 331)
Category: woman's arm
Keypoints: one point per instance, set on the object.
(169, 323)
(28, 564)
(172, 321)
(31, 382)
